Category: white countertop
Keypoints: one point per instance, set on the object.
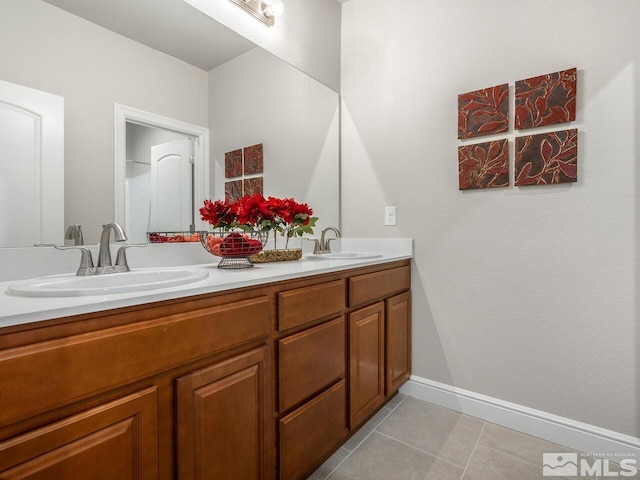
(21, 310)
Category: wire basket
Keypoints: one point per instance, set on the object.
(173, 237)
(234, 248)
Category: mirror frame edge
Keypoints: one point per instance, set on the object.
(122, 115)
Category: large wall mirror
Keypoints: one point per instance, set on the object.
(167, 58)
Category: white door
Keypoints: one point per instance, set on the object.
(31, 166)
(171, 186)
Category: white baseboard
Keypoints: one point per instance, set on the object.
(563, 431)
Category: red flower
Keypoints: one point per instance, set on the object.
(282, 216)
(219, 213)
(254, 209)
(291, 211)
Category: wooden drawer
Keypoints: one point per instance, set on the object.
(373, 286)
(310, 361)
(302, 305)
(309, 434)
(47, 375)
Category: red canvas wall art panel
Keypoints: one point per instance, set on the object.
(233, 164)
(483, 112)
(547, 158)
(546, 100)
(253, 159)
(484, 165)
(253, 186)
(233, 190)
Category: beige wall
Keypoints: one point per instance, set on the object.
(92, 68)
(529, 295)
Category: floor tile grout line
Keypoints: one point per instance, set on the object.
(377, 425)
(419, 450)
(363, 440)
(338, 466)
(502, 452)
(475, 447)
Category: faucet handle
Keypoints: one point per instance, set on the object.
(86, 260)
(121, 256)
(316, 244)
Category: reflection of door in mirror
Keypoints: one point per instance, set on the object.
(31, 166)
(158, 182)
(171, 180)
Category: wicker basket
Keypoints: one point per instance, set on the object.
(285, 255)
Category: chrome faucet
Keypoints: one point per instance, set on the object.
(74, 232)
(104, 255)
(323, 245)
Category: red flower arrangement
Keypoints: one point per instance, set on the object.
(283, 216)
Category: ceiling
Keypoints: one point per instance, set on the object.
(170, 26)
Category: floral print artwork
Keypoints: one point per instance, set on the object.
(484, 165)
(233, 164)
(253, 186)
(483, 112)
(253, 159)
(546, 99)
(233, 190)
(547, 158)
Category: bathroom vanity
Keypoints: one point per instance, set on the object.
(258, 381)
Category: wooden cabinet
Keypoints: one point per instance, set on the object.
(254, 384)
(222, 423)
(311, 374)
(115, 440)
(397, 341)
(59, 419)
(379, 340)
(366, 362)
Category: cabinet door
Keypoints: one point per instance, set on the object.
(398, 341)
(223, 420)
(116, 440)
(366, 362)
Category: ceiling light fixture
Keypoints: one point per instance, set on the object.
(263, 10)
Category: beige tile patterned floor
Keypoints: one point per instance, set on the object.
(414, 440)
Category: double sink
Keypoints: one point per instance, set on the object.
(71, 285)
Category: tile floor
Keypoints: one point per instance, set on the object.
(415, 440)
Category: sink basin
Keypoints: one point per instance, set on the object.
(71, 285)
(343, 256)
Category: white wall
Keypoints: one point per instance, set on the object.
(295, 118)
(307, 35)
(92, 68)
(526, 294)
